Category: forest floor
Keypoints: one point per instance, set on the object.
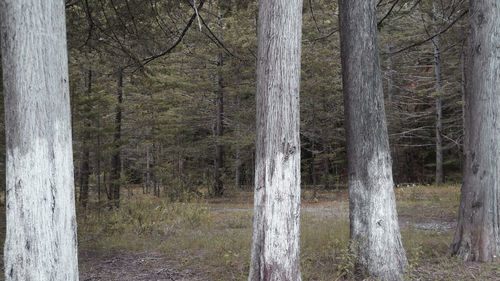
(151, 239)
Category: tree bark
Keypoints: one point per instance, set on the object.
(375, 236)
(41, 240)
(275, 244)
(115, 158)
(477, 237)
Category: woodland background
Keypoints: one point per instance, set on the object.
(164, 98)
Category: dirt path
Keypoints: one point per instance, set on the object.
(417, 221)
(126, 266)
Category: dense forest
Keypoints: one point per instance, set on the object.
(167, 112)
(164, 97)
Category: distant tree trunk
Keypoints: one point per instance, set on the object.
(219, 128)
(439, 110)
(463, 88)
(148, 174)
(326, 170)
(41, 240)
(237, 171)
(389, 77)
(98, 159)
(375, 236)
(313, 148)
(85, 173)
(275, 244)
(477, 237)
(390, 112)
(237, 164)
(115, 158)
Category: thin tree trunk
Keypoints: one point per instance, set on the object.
(390, 112)
(98, 159)
(85, 172)
(116, 158)
(313, 158)
(477, 237)
(275, 244)
(148, 175)
(326, 167)
(462, 88)
(439, 110)
(219, 127)
(375, 236)
(237, 165)
(389, 77)
(41, 238)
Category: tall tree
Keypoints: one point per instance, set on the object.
(439, 105)
(116, 162)
(85, 169)
(41, 226)
(275, 245)
(375, 235)
(219, 126)
(477, 237)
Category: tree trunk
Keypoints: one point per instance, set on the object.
(237, 165)
(391, 114)
(313, 148)
(85, 173)
(477, 237)
(148, 175)
(116, 159)
(219, 128)
(326, 172)
(389, 77)
(462, 88)
(98, 160)
(439, 110)
(375, 236)
(275, 244)
(41, 240)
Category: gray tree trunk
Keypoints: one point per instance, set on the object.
(477, 237)
(375, 236)
(275, 244)
(41, 241)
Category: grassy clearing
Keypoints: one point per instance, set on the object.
(212, 237)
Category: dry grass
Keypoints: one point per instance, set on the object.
(210, 239)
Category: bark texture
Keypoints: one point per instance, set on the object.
(375, 236)
(41, 241)
(477, 237)
(275, 244)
